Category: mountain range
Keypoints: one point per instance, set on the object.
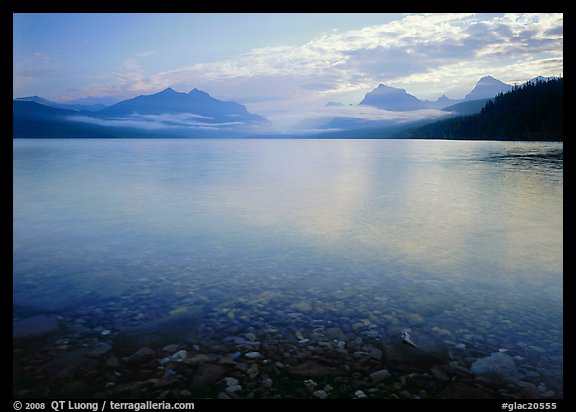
(169, 113)
(533, 111)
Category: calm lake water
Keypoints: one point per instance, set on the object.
(461, 237)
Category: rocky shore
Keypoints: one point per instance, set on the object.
(266, 344)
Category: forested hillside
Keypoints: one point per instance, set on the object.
(533, 111)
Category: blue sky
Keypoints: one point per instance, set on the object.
(279, 65)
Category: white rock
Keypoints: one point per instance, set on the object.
(179, 356)
(360, 395)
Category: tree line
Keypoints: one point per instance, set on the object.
(532, 111)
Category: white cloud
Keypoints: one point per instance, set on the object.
(157, 122)
(426, 54)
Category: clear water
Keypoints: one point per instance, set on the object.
(460, 236)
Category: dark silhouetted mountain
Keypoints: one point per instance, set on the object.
(165, 114)
(35, 109)
(32, 119)
(467, 107)
(440, 103)
(102, 101)
(487, 87)
(391, 98)
(533, 111)
(71, 106)
(196, 103)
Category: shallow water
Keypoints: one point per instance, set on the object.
(458, 237)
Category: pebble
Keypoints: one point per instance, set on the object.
(250, 347)
(142, 355)
(376, 353)
(439, 373)
(310, 385)
(112, 362)
(380, 375)
(233, 388)
(360, 395)
(303, 306)
(250, 336)
(230, 381)
(415, 319)
(320, 394)
(179, 356)
(170, 348)
(267, 383)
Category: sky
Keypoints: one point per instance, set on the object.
(281, 66)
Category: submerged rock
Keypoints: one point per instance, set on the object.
(498, 367)
(142, 355)
(34, 326)
(380, 375)
(160, 332)
(416, 348)
(207, 374)
(312, 368)
(100, 350)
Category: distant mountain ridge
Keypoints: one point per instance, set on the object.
(196, 102)
(72, 106)
(487, 87)
(166, 113)
(169, 113)
(393, 99)
(533, 111)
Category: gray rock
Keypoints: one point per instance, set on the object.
(376, 353)
(142, 355)
(230, 381)
(416, 348)
(439, 373)
(112, 362)
(34, 326)
(312, 368)
(100, 350)
(335, 333)
(253, 355)
(529, 390)
(360, 395)
(179, 356)
(233, 388)
(267, 383)
(320, 394)
(380, 375)
(160, 332)
(498, 367)
(310, 385)
(207, 374)
(173, 347)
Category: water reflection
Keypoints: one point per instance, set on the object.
(464, 237)
(439, 205)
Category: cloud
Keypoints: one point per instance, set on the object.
(37, 65)
(160, 121)
(426, 54)
(391, 53)
(365, 112)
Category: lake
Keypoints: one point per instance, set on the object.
(292, 251)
